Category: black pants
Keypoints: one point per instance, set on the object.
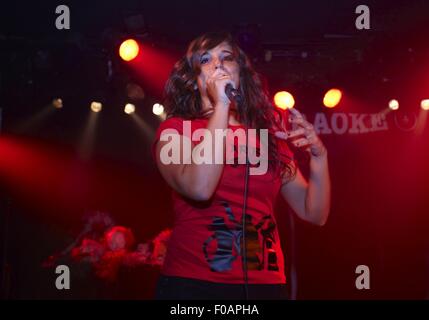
(177, 288)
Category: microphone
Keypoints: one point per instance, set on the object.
(233, 94)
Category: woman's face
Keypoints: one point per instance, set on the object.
(220, 56)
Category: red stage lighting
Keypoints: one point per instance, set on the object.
(332, 98)
(129, 50)
(284, 100)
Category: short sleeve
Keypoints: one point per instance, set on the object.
(170, 125)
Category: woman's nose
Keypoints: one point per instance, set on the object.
(217, 63)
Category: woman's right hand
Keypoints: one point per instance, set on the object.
(216, 87)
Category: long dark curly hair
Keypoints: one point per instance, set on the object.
(183, 99)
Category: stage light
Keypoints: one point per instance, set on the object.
(129, 108)
(284, 100)
(135, 92)
(158, 109)
(332, 98)
(96, 106)
(425, 104)
(129, 49)
(394, 104)
(57, 103)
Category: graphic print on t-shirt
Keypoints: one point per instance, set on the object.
(224, 246)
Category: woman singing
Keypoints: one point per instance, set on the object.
(208, 257)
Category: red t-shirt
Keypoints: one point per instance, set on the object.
(206, 239)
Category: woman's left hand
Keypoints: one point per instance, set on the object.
(304, 137)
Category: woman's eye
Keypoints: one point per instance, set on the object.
(228, 58)
(204, 60)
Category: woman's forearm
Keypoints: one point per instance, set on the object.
(318, 195)
(199, 180)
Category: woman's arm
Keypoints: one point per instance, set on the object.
(309, 199)
(197, 181)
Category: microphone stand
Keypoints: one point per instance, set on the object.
(243, 225)
(234, 95)
(239, 101)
